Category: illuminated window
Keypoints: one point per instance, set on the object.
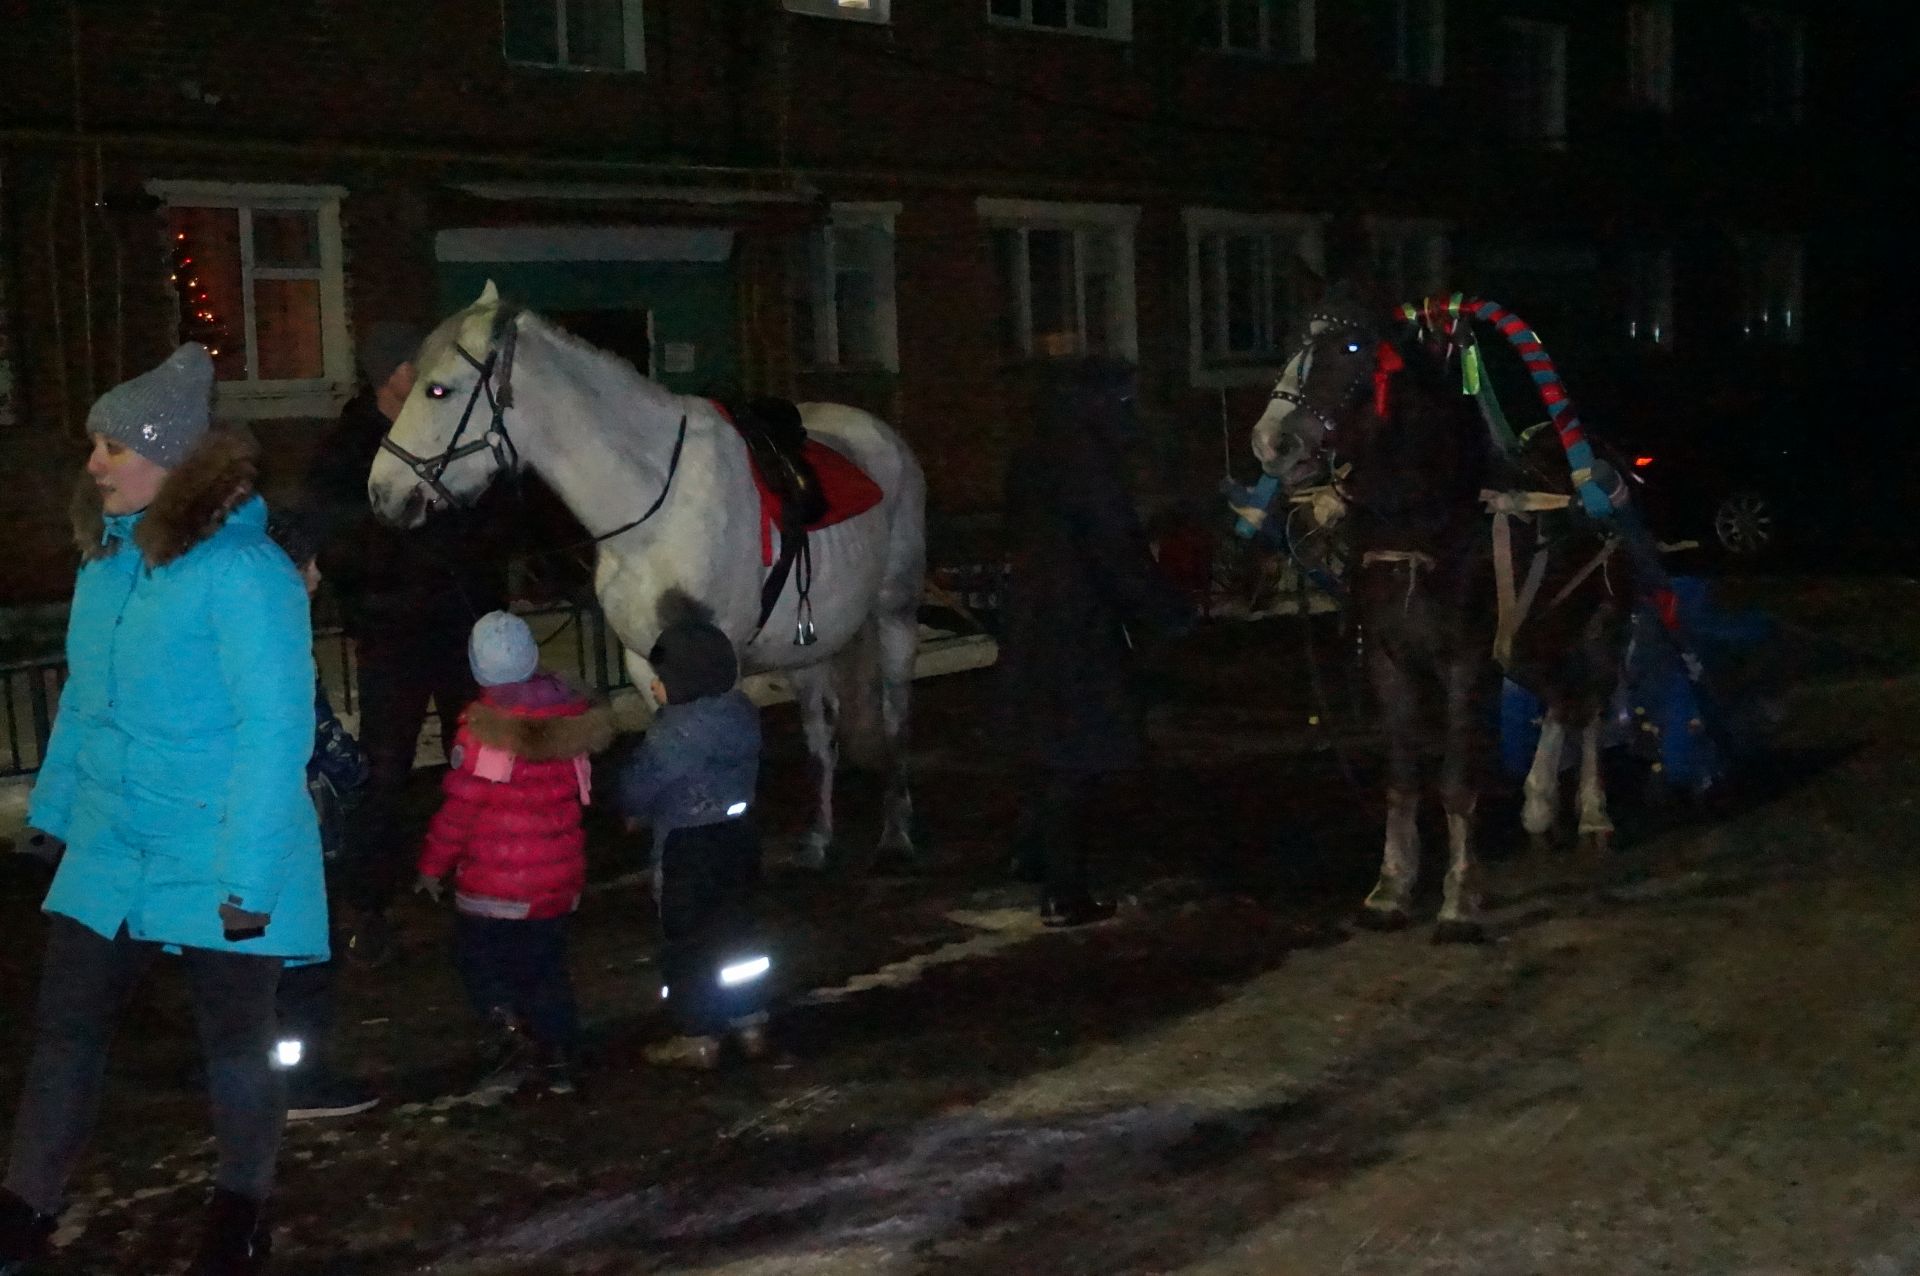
(258, 274)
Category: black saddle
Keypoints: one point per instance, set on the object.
(777, 443)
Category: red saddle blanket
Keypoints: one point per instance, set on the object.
(848, 489)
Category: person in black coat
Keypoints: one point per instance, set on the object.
(1083, 585)
(408, 600)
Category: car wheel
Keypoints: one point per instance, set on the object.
(1743, 524)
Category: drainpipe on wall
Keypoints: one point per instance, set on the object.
(54, 309)
(82, 222)
(119, 350)
(9, 409)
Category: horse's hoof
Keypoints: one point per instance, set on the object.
(1540, 843)
(812, 855)
(1596, 843)
(1382, 919)
(1457, 931)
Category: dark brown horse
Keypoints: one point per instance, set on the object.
(1432, 595)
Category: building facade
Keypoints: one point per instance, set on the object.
(896, 203)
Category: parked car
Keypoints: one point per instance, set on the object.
(1761, 473)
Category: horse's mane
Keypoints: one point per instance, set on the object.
(1421, 468)
(630, 382)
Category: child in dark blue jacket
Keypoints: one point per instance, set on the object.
(693, 780)
(335, 772)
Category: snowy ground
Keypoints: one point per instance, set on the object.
(1700, 1056)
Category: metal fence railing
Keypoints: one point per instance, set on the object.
(573, 639)
(31, 693)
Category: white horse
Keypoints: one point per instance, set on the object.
(663, 483)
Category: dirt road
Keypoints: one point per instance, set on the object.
(1696, 1057)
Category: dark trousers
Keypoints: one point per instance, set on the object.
(84, 985)
(708, 877)
(1051, 832)
(306, 1009)
(519, 967)
(398, 675)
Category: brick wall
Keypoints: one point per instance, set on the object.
(395, 102)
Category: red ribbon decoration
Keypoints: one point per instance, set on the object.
(1386, 362)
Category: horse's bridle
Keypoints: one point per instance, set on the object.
(431, 470)
(1336, 326)
(503, 339)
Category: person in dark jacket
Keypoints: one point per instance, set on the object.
(693, 780)
(407, 600)
(1083, 584)
(509, 832)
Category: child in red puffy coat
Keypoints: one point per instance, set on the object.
(510, 832)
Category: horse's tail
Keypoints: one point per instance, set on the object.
(856, 681)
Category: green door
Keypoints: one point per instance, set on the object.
(673, 320)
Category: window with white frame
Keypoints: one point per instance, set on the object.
(1772, 285)
(1281, 29)
(1776, 64)
(841, 277)
(1066, 276)
(1650, 54)
(258, 272)
(578, 35)
(1536, 80)
(852, 10)
(1246, 276)
(1417, 41)
(1648, 277)
(1112, 18)
(1407, 256)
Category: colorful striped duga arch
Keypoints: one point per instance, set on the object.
(1445, 313)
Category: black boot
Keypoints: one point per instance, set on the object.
(23, 1234)
(511, 1058)
(236, 1241)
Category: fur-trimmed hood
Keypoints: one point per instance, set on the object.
(196, 498)
(565, 731)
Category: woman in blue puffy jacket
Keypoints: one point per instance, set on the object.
(173, 795)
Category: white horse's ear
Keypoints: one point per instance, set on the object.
(489, 296)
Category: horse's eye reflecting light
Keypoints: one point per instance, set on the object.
(437, 391)
(1353, 347)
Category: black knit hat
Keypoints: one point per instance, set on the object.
(694, 660)
(295, 533)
